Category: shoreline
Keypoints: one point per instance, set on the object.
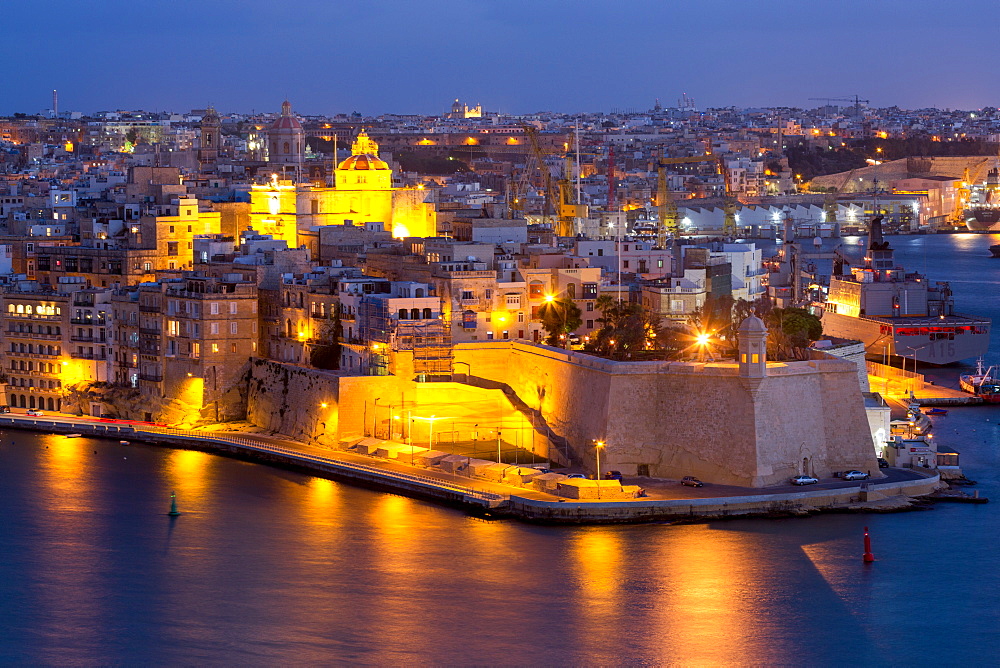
(875, 497)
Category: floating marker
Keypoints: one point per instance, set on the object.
(868, 556)
(173, 505)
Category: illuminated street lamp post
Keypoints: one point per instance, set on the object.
(598, 445)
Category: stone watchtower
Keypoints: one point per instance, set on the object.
(753, 353)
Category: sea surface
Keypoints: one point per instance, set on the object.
(269, 567)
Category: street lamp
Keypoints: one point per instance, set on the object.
(597, 446)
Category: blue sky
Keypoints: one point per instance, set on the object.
(404, 56)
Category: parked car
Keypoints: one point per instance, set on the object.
(803, 480)
(613, 475)
(691, 481)
(5, 409)
(542, 468)
(576, 475)
(883, 463)
(34, 412)
(854, 475)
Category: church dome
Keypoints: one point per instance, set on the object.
(286, 121)
(362, 162)
(364, 155)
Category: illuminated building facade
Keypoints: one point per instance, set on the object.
(363, 194)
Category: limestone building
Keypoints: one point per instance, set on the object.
(286, 143)
(363, 195)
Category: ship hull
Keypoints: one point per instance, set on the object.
(930, 341)
(983, 219)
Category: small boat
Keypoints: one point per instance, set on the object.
(995, 250)
(124, 443)
(74, 435)
(937, 411)
(982, 383)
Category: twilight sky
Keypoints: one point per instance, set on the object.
(406, 56)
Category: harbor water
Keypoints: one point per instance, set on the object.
(270, 567)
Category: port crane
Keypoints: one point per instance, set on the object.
(669, 224)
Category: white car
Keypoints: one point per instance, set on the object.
(33, 412)
(803, 480)
(855, 475)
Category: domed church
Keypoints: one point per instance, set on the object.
(362, 195)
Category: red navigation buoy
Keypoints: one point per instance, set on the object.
(868, 556)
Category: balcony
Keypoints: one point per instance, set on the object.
(150, 331)
(149, 308)
(88, 356)
(151, 377)
(92, 322)
(88, 339)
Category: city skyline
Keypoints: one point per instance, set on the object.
(407, 58)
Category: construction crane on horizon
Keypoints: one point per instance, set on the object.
(855, 99)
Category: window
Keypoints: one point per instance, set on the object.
(403, 314)
(213, 328)
(755, 358)
(489, 293)
(171, 229)
(232, 328)
(147, 266)
(520, 317)
(232, 348)
(232, 308)
(215, 347)
(659, 264)
(625, 264)
(489, 336)
(173, 327)
(196, 349)
(468, 295)
(590, 324)
(535, 290)
(213, 308)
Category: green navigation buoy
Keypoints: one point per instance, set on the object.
(173, 505)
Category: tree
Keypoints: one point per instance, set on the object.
(559, 317)
(791, 328)
(627, 327)
(326, 353)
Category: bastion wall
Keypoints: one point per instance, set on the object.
(674, 419)
(663, 419)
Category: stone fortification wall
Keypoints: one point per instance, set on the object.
(289, 400)
(675, 419)
(325, 408)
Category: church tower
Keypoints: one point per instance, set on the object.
(286, 143)
(753, 352)
(211, 140)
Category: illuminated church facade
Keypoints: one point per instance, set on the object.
(363, 193)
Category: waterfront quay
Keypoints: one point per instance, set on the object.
(664, 500)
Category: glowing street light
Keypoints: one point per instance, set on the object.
(598, 445)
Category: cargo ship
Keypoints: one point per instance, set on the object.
(983, 212)
(981, 383)
(895, 313)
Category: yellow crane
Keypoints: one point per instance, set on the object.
(668, 207)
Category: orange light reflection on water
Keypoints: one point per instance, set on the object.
(71, 560)
(712, 597)
(598, 556)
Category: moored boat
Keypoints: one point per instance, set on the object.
(982, 383)
(995, 250)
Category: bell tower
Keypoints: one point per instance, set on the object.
(211, 139)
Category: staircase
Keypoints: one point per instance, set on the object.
(538, 423)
